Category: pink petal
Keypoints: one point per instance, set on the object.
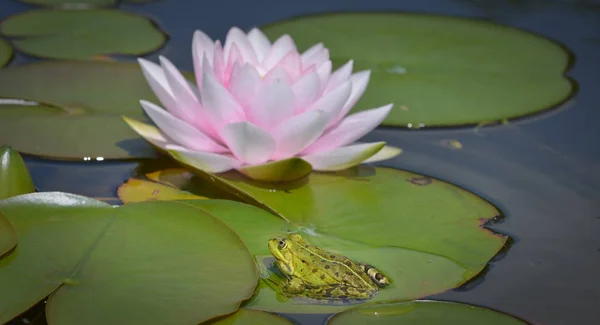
(306, 90)
(274, 103)
(202, 46)
(236, 37)
(343, 157)
(310, 52)
(206, 161)
(332, 102)
(359, 80)
(180, 131)
(219, 62)
(280, 48)
(291, 64)
(277, 74)
(220, 106)
(248, 143)
(297, 132)
(260, 43)
(350, 129)
(324, 71)
(340, 75)
(245, 83)
(235, 57)
(160, 86)
(317, 59)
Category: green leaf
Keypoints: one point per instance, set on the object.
(6, 52)
(143, 263)
(438, 70)
(423, 233)
(78, 4)
(423, 313)
(89, 100)
(82, 34)
(247, 316)
(279, 171)
(14, 175)
(8, 236)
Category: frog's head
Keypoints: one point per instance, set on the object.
(280, 248)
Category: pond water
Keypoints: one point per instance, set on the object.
(543, 172)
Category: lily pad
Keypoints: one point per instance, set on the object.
(79, 4)
(440, 71)
(14, 175)
(424, 233)
(8, 236)
(82, 34)
(6, 52)
(423, 313)
(144, 263)
(247, 316)
(74, 115)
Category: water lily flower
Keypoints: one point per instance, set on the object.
(258, 106)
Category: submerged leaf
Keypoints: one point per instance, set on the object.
(14, 175)
(440, 70)
(81, 34)
(143, 263)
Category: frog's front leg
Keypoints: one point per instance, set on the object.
(295, 286)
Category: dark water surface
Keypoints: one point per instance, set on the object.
(543, 172)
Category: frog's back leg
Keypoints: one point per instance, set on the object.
(340, 292)
(379, 278)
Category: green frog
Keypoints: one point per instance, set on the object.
(316, 273)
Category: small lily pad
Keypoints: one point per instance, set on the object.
(423, 313)
(143, 263)
(73, 116)
(440, 71)
(82, 34)
(6, 52)
(14, 175)
(248, 316)
(8, 236)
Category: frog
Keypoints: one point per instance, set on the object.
(316, 273)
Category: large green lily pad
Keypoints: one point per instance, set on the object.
(8, 236)
(423, 313)
(145, 263)
(72, 3)
(75, 114)
(424, 233)
(82, 34)
(248, 316)
(6, 52)
(14, 175)
(437, 70)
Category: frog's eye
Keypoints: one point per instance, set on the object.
(282, 244)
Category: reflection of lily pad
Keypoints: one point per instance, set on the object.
(82, 34)
(6, 52)
(440, 70)
(14, 175)
(89, 100)
(72, 3)
(8, 236)
(423, 313)
(145, 263)
(247, 316)
(427, 237)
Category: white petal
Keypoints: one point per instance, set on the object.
(187, 103)
(238, 37)
(245, 83)
(280, 49)
(317, 59)
(324, 71)
(332, 102)
(385, 153)
(350, 129)
(158, 82)
(306, 90)
(206, 161)
(248, 143)
(180, 131)
(340, 75)
(220, 106)
(359, 80)
(310, 52)
(278, 74)
(260, 43)
(202, 47)
(297, 132)
(343, 157)
(274, 103)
